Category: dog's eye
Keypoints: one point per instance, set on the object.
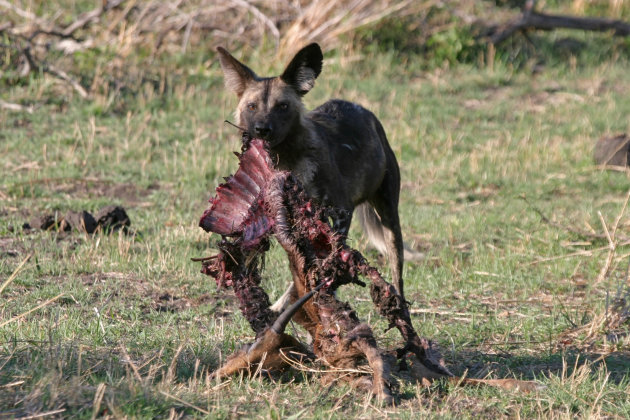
(283, 106)
(251, 106)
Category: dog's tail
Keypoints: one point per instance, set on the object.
(373, 228)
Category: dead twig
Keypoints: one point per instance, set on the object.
(98, 399)
(620, 215)
(42, 415)
(612, 243)
(32, 64)
(570, 229)
(187, 404)
(127, 359)
(15, 272)
(603, 273)
(170, 373)
(22, 315)
(324, 21)
(20, 12)
(16, 107)
(66, 78)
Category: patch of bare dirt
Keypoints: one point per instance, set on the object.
(168, 302)
(127, 194)
(156, 298)
(539, 102)
(600, 86)
(10, 248)
(492, 95)
(91, 279)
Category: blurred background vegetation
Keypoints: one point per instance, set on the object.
(106, 50)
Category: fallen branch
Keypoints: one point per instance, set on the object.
(530, 19)
(32, 64)
(260, 16)
(60, 74)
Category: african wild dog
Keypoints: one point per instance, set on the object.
(338, 151)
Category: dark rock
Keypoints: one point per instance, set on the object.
(79, 220)
(612, 151)
(43, 222)
(112, 218)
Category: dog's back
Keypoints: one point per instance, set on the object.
(357, 148)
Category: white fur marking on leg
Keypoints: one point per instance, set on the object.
(284, 300)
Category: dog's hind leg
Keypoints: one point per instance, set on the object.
(394, 243)
(382, 225)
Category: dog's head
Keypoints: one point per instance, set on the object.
(271, 107)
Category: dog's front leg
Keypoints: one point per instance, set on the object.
(283, 301)
(341, 222)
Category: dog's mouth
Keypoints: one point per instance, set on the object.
(272, 142)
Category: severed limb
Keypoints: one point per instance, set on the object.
(259, 201)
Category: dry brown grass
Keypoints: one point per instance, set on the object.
(323, 21)
(137, 35)
(607, 330)
(175, 26)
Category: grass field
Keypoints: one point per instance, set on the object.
(484, 150)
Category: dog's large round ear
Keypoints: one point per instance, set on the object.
(304, 68)
(236, 74)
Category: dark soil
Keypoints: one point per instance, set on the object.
(108, 219)
(126, 193)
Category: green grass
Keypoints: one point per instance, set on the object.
(478, 147)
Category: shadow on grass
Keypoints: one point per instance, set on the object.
(44, 376)
(477, 364)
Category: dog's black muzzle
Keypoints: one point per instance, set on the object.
(263, 130)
